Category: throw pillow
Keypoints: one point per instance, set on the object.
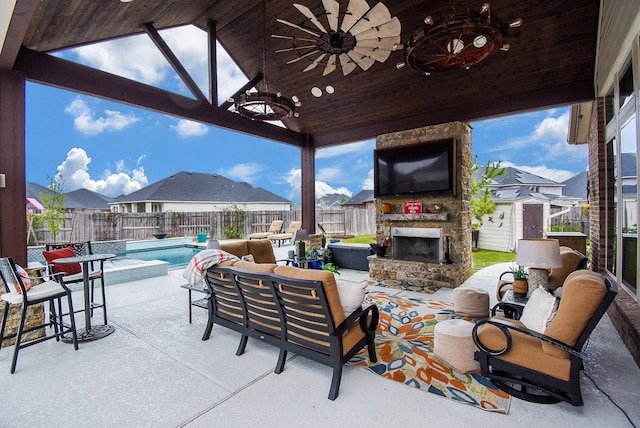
(50, 256)
(248, 258)
(24, 276)
(351, 295)
(539, 310)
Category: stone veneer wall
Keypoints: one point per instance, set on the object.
(456, 223)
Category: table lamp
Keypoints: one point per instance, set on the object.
(538, 255)
(299, 236)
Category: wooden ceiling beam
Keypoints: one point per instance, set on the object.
(49, 70)
(173, 60)
(18, 26)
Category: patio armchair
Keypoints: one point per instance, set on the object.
(276, 227)
(540, 360)
(18, 291)
(572, 260)
(293, 226)
(74, 272)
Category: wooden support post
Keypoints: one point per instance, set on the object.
(13, 217)
(308, 187)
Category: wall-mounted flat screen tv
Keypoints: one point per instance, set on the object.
(425, 169)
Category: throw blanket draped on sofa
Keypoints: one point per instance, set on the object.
(196, 269)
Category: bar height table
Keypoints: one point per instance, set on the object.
(90, 332)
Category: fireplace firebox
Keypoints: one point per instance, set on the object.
(417, 244)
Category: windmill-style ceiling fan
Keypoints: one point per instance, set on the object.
(364, 36)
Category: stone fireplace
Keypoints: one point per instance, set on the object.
(417, 243)
(431, 248)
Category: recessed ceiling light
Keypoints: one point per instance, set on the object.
(316, 92)
(329, 89)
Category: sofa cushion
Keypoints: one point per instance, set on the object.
(262, 251)
(328, 281)
(570, 262)
(255, 267)
(238, 248)
(582, 293)
(525, 351)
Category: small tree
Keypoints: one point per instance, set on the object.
(53, 207)
(481, 200)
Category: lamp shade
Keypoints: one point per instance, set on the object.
(539, 253)
(300, 235)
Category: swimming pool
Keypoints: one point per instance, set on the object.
(177, 256)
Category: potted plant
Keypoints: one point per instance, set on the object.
(380, 249)
(520, 284)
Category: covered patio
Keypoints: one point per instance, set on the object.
(551, 62)
(155, 370)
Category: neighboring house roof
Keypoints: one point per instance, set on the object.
(576, 186)
(516, 193)
(332, 200)
(361, 198)
(200, 187)
(515, 177)
(84, 198)
(34, 190)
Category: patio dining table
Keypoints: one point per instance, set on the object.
(89, 332)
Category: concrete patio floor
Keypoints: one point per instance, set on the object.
(155, 370)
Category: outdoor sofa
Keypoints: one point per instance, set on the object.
(296, 310)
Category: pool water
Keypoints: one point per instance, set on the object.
(177, 257)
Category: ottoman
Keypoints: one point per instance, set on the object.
(452, 343)
(472, 302)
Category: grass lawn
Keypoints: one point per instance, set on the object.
(484, 258)
(361, 239)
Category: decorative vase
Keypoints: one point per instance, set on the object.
(386, 208)
(520, 286)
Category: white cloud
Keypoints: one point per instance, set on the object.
(74, 172)
(189, 128)
(557, 175)
(294, 178)
(142, 61)
(85, 122)
(343, 149)
(330, 173)
(188, 43)
(367, 183)
(248, 172)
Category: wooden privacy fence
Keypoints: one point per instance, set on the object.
(105, 226)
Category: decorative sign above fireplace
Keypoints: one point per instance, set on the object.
(413, 207)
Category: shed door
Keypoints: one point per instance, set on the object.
(531, 221)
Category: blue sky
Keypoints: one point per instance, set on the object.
(113, 149)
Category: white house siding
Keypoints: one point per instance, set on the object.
(205, 206)
(495, 237)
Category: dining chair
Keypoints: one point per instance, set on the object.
(74, 272)
(17, 293)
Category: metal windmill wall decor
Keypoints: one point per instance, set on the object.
(363, 36)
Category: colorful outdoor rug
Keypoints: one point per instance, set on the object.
(402, 285)
(404, 347)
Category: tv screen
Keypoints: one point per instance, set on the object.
(415, 170)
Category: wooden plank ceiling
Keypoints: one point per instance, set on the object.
(550, 63)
